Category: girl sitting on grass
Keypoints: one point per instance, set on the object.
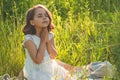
(40, 63)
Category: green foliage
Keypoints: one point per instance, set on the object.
(86, 31)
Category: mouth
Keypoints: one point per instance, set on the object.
(45, 22)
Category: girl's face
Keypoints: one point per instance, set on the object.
(41, 18)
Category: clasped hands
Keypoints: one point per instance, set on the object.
(44, 35)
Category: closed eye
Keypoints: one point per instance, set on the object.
(46, 15)
(40, 16)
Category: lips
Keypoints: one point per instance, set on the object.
(45, 22)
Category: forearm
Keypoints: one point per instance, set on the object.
(51, 50)
(40, 52)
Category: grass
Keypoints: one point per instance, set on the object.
(84, 32)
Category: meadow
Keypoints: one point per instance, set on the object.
(86, 31)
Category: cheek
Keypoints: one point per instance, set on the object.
(49, 20)
(39, 22)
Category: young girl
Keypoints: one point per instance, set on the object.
(40, 49)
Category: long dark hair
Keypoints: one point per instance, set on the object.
(28, 28)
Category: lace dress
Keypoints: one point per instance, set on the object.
(48, 69)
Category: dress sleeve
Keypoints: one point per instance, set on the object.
(51, 35)
(27, 37)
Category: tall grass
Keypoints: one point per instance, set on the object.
(85, 31)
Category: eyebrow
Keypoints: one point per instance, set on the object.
(40, 14)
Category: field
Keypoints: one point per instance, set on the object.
(86, 31)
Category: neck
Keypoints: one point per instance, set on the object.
(38, 31)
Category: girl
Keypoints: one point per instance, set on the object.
(40, 49)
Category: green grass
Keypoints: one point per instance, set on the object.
(85, 31)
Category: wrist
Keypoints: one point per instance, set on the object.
(43, 41)
(48, 42)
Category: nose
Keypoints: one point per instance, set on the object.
(44, 17)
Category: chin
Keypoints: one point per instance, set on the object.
(45, 26)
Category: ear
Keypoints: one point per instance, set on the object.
(32, 22)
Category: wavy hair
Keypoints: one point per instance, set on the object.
(28, 28)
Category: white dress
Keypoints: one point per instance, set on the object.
(47, 70)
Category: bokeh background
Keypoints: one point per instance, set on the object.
(86, 31)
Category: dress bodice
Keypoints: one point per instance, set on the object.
(48, 69)
(37, 40)
(29, 63)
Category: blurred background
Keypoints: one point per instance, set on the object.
(86, 31)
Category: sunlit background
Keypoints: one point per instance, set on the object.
(86, 31)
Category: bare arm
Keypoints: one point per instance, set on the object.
(37, 54)
(51, 48)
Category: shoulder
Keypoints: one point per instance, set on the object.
(27, 37)
(51, 35)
